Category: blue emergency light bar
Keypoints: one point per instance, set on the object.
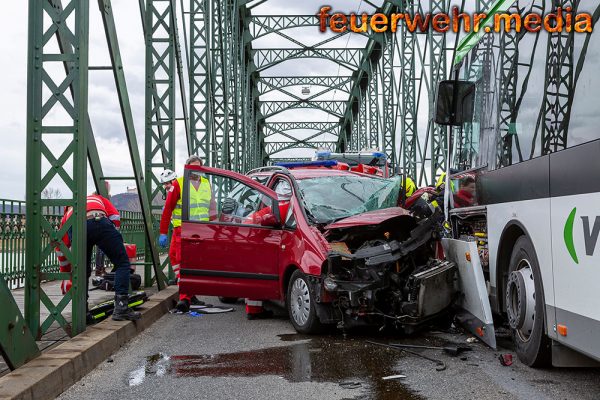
(299, 164)
(324, 155)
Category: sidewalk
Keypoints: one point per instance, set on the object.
(55, 334)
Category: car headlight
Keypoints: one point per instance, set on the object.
(329, 284)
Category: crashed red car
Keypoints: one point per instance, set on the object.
(332, 244)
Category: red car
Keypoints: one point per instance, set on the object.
(330, 243)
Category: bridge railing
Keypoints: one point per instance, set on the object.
(12, 239)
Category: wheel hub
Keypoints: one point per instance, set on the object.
(520, 300)
(300, 301)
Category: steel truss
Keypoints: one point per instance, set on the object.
(47, 96)
(558, 85)
(60, 133)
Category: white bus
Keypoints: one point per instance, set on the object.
(525, 110)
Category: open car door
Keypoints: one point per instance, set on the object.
(230, 236)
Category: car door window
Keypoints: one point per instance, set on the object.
(283, 188)
(290, 219)
(215, 198)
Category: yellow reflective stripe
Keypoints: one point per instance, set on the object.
(137, 303)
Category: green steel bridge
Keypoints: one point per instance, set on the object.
(207, 69)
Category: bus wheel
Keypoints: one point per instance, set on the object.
(525, 305)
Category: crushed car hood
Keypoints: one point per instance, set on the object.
(369, 218)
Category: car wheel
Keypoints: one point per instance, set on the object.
(301, 305)
(228, 300)
(525, 305)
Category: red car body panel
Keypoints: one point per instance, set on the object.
(231, 260)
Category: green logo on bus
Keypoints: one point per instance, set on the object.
(568, 235)
(590, 236)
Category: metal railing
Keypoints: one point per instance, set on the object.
(12, 238)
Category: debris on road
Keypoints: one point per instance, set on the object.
(350, 384)
(506, 359)
(440, 365)
(387, 378)
(196, 311)
(451, 350)
(471, 339)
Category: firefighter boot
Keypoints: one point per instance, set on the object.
(122, 311)
(183, 305)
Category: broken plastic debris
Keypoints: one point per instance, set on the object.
(386, 378)
(195, 314)
(350, 385)
(506, 359)
(471, 339)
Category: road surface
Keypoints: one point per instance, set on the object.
(225, 356)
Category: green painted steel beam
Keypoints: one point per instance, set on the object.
(262, 25)
(471, 39)
(272, 108)
(17, 345)
(160, 104)
(345, 57)
(68, 164)
(121, 85)
(271, 83)
(200, 125)
(276, 147)
(93, 157)
(370, 55)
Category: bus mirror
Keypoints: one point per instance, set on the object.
(454, 104)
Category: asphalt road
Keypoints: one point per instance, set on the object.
(225, 356)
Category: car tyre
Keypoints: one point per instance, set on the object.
(228, 300)
(525, 306)
(300, 303)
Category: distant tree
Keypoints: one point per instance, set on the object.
(51, 193)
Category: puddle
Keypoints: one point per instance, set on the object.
(350, 363)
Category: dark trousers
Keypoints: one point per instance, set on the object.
(102, 233)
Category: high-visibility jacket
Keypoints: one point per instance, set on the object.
(199, 202)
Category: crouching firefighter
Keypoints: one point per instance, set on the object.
(102, 223)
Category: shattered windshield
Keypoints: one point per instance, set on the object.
(331, 198)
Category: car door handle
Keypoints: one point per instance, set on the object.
(194, 239)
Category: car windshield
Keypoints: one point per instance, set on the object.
(332, 198)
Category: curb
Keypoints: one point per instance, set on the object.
(54, 371)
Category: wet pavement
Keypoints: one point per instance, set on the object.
(225, 356)
(351, 363)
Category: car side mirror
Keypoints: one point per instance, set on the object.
(269, 220)
(455, 102)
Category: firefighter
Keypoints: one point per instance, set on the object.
(407, 189)
(102, 223)
(201, 202)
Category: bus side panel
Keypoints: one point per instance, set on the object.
(534, 217)
(575, 187)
